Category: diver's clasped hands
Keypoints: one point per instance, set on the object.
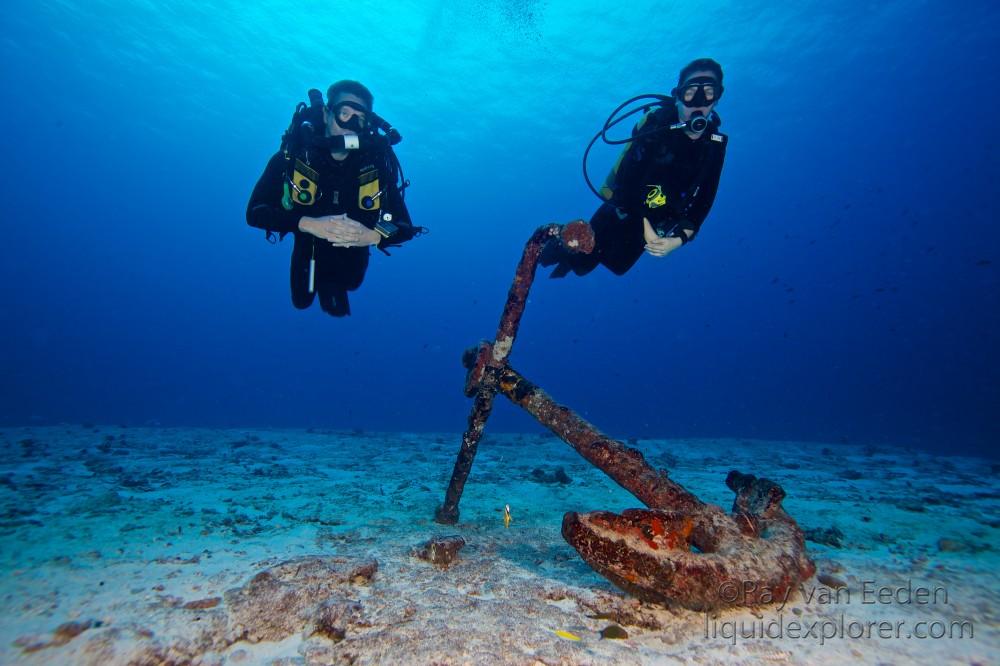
(339, 230)
(655, 245)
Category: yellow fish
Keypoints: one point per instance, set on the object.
(561, 633)
(506, 515)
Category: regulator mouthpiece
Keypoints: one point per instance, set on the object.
(697, 124)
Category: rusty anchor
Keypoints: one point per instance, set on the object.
(678, 551)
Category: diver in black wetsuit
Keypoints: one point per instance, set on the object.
(336, 192)
(664, 182)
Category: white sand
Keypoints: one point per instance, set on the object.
(161, 517)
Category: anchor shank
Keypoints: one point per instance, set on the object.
(625, 465)
(517, 296)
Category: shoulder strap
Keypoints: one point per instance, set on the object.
(717, 142)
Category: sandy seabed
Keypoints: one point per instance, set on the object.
(192, 546)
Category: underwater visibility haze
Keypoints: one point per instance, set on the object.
(839, 311)
(844, 286)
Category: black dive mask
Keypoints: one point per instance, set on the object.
(350, 116)
(699, 91)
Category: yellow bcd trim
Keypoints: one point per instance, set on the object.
(655, 198)
(368, 187)
(304, 184)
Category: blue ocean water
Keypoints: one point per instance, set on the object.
(843, 288)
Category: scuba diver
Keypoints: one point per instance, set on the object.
(337, 185)
(664, 182)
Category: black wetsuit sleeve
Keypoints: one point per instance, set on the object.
(264, 210)
(707, 189)
(405, 230)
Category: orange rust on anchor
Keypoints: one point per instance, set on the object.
(681, 538)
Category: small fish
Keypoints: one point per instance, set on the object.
(562, 633)
(506, 515)
(614, 631)
(605, 615)
(983, 262)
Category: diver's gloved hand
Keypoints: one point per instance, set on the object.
(656, 246)
(339, 230)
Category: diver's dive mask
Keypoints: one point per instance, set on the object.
(350, 116)
(699, 91)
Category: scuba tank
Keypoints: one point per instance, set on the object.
(301, 179)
